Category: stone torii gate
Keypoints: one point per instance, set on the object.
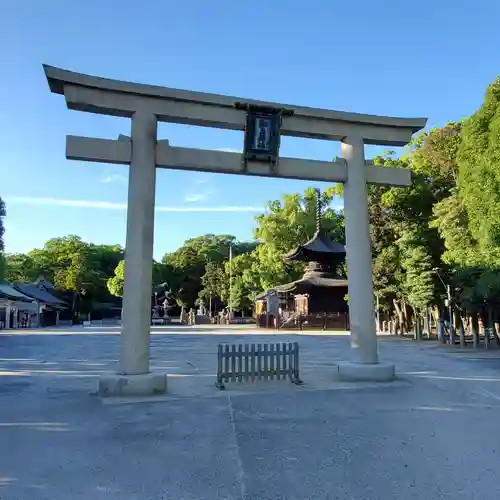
(145, 105)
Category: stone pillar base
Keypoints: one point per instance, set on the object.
(132, 385)
(358, 372)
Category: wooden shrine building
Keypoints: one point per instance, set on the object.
(318, 299)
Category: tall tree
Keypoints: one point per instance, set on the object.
(189, 263)
(74, 267)
(213, 284)
(476, 227)
(67, 261)
(2, 246)
(21, 268)
(479, 173)
(286, 224)
(161, 274)
(417, 265)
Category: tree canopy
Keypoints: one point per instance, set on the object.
(76, 268)
(2, 246)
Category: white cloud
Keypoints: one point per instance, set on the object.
(114, 178)
(200, 192)
(229, 208)
(229, 150)
(195, 197)
(106, 205)
(56, 202)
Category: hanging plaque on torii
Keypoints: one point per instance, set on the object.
(262, 134)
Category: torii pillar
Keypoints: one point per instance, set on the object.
(359, 270)
(145, 105)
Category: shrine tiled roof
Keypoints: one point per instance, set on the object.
(9, 292)
(39, 294)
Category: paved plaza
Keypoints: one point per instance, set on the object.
(431, 434)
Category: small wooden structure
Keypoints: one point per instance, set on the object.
(257, 362)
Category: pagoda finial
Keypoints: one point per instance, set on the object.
(318, 210)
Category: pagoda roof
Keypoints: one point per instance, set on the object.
(319, 246)
(312, 281)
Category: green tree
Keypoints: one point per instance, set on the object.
(21, 268)
(164, 273)
(479, 172)
(68, 260)
(287, 224)
(188, 263)
(406, 247)
(213, 280)
(75, 267)
(417, 264)
(115, 283)
(3, 267)
(441, 220)
(467, 216)
(161, 273)
(470, 220)
(2, 246)
(246, 280)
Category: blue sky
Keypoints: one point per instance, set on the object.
(388, 57)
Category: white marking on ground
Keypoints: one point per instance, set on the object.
(241, 473)
(488, 394)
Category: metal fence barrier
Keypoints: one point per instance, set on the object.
(251, 362)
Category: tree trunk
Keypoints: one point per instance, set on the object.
(441, 330)
(459, 326)
(474, 327)
(407, 315)
(73, 308)
(399, 312)
(483, 328)
(488, 327)
(496, 329)
(427, 326)
(418, 327)
(435, 313)
(466, 323)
